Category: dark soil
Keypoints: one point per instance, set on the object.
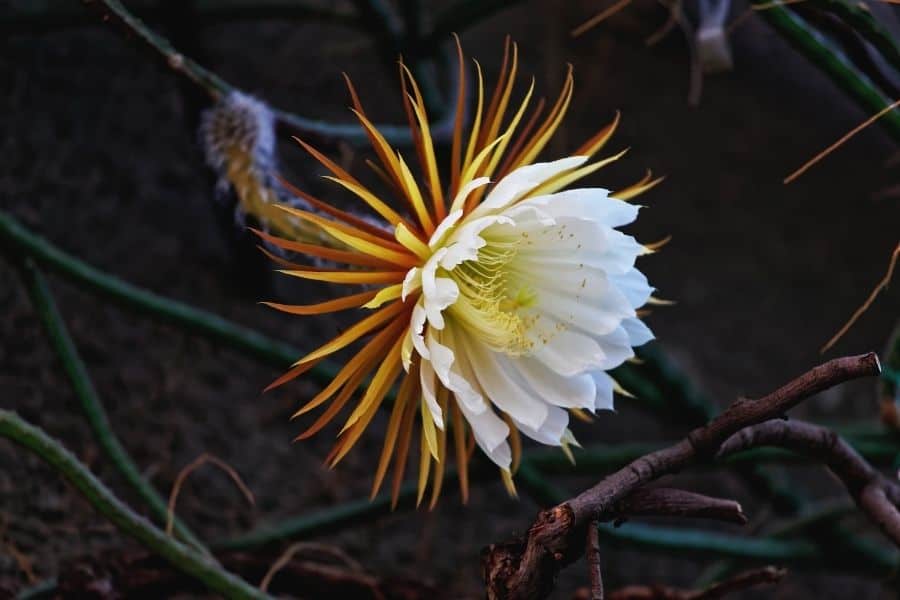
(99, 156)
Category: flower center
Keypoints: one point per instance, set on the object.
(489, 304)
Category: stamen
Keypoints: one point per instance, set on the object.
(487, 302)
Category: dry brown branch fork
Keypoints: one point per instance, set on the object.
(527, 568)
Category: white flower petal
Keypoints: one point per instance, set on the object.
(444, 295)
(453, 370)
(490, 431)
(429, 271)
(460, 198)
(616, 348)
(527, 215)
(573, 241)
(593, 204)
(444, 228)
(464, 243)
(570, 353)
(463, 193)
(564, 278)
(416, 327)
(412, 281)
(426, 377)
(503, 390)
(438, 292)
(579, 314)
(557, 239)
(579, 298)
(500, 455)
(578, 391)
(442, 356)
(635, 287)
(605, 385)
(622, 251)
(553, 429)
(521, 181)
(638, 333)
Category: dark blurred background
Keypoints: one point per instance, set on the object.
(99, 154)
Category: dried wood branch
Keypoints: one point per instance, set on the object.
(875, 495)
(669, 502)
(592, 553)
(881, 285)
(524, 569)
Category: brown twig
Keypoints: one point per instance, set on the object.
(298, 547)
(670, 23)
(23, 561)
(669, 502)
(183, 475)
(865, 305)
(592, 552)
(875, 495)
(526, 568)
(741, 581)
(806, 166)
(599, 18)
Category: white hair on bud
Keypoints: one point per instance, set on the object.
(240, 123)
(238, 139)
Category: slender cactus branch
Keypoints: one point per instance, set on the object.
(813, 46)
(346, 514)
(860, 19)
(180, 556)
(19, 241)
(39, 17)
(317, 522)
(216, 87)
(56, 331)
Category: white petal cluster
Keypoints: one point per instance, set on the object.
(525, 303)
